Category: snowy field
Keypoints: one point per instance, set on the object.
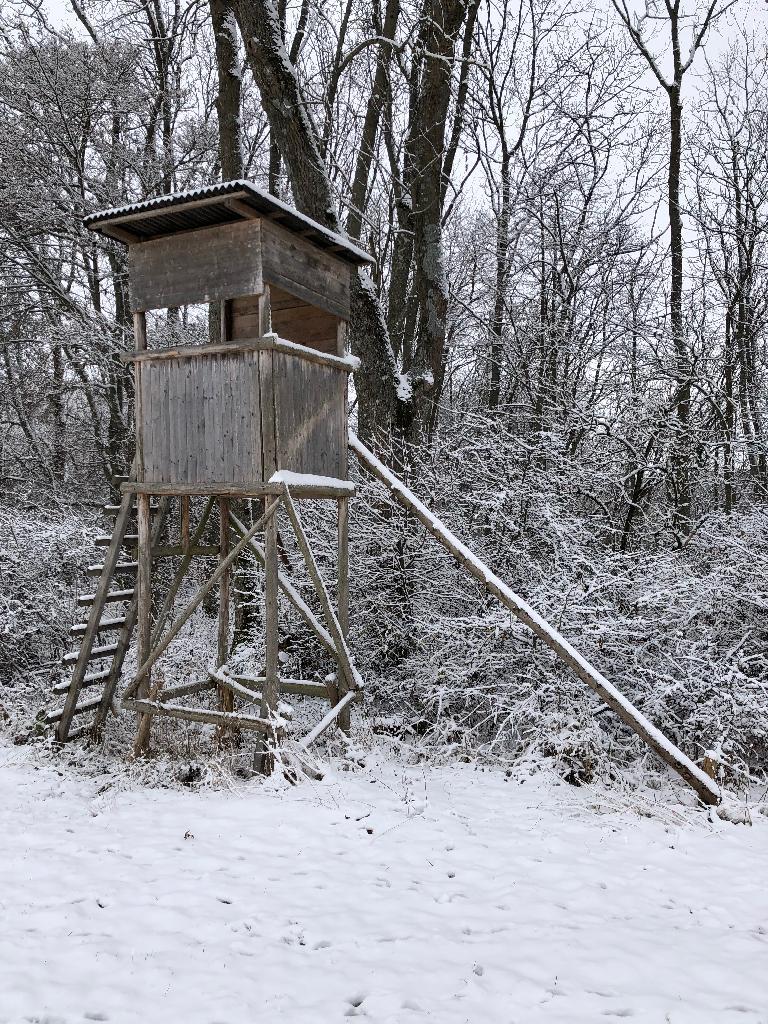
(390, 893)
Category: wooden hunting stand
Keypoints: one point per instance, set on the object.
(260, 414)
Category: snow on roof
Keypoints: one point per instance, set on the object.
(199, 207)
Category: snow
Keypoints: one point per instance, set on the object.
(285, 476)
(348, 362)
(397, 894)
(551, 636)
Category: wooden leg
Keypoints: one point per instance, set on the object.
(269, 692)
(342, 599)
(185, 523)
(144, 612)
(226, 702)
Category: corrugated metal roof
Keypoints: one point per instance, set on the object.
(167, 215)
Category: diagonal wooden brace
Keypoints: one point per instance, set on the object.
(197, 599)
(343, 654)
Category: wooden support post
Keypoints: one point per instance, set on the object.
(140, 331)
(269, 693)
(226, 702)
(265, 312)
(226, 320)
(184, 501)
(144, 611)
(342, 599)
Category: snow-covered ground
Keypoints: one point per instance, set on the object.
(397, 894)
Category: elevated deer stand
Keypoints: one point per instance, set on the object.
(259, 415)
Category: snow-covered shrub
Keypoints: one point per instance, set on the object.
(679, 631)
(42, 561)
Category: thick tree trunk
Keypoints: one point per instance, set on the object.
(228, 97)
(425, 153)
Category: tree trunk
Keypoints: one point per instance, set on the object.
(228, 97)
(681, 454)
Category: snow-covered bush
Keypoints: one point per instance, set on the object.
(43, 556)
(680, 631)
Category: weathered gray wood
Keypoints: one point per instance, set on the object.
(269, 692)
(210, 264)
(290, 318)
(140, 331)
(246, 692)
(57, 714)
(226, 702)
(111, 598)
(94, 654)
(243, 209)
(105, 626)
(187, 714)
(329, 719)
(297, 687)
(240, 424)
(126, 632)
(308, 438)
(187, 689)
(269, 463)
(342, 596)
(256, 489)
(298, 267)
(706, 788)
(110, 561)
(184, 526)
(144, 612)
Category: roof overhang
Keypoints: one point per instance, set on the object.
(224, 203)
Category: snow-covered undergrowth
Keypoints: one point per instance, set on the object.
(679, 630)
(393, 893)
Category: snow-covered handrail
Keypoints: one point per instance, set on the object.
(671, 755)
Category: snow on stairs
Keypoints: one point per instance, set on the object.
(97, 664)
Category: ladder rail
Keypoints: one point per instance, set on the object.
(126, 632)
(94, 617)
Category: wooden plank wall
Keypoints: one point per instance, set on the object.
(292, 319)
(310, 416)
(196, 266)
(201, 419)
(294, 265)
(236, 418)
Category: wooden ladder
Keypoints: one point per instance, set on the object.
(98, 661)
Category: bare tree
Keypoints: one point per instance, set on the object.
(642, 28)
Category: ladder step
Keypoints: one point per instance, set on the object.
(105, 624)
(114, 509)
(95, 570)
(92, 679)
(117, 595)
(105, 540)
(87, 705)
(96, 652)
